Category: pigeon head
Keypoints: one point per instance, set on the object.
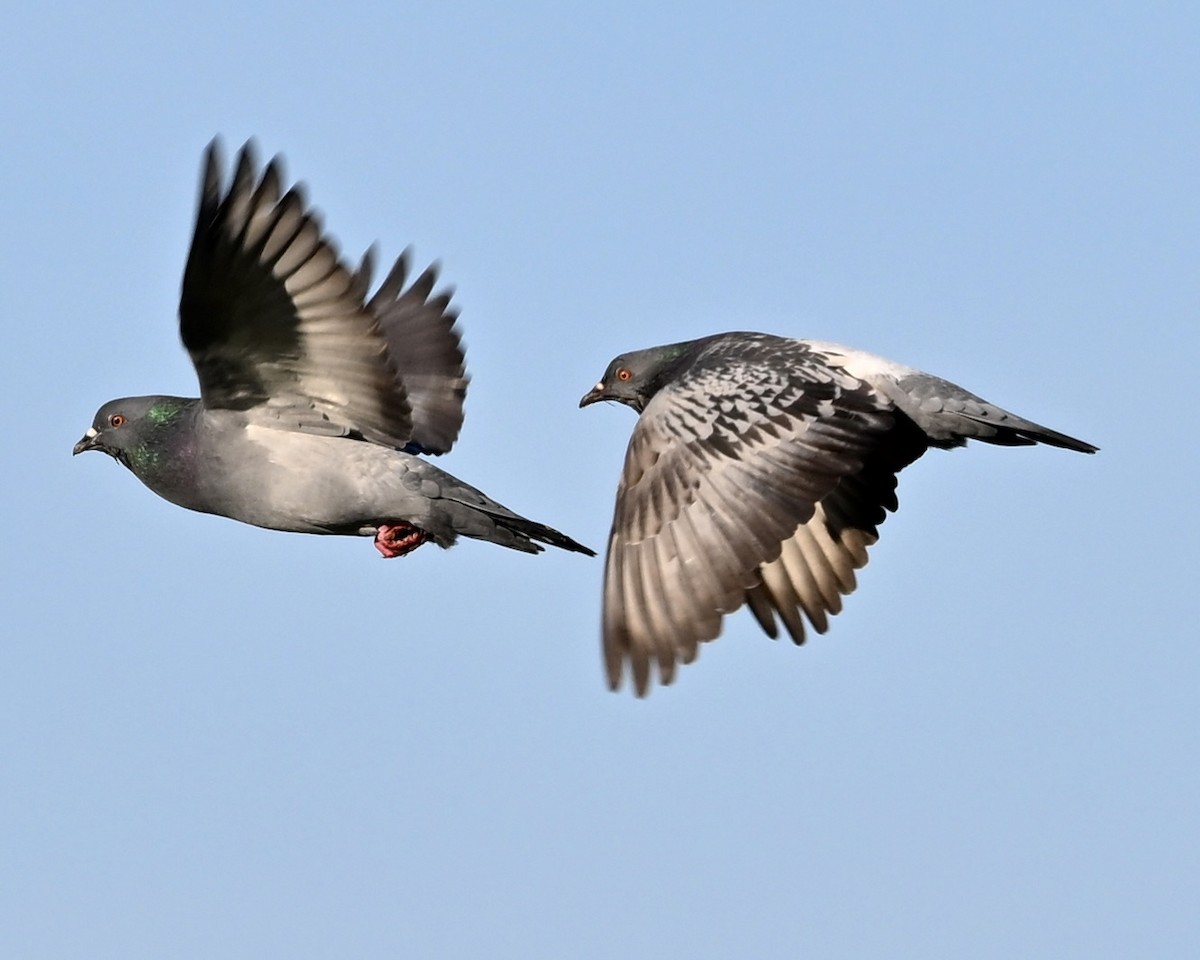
(633, 378)
(135, 430)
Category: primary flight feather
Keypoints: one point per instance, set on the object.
(757, 474)
(314, 399)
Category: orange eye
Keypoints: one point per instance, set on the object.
(624, 374)
(116, 420)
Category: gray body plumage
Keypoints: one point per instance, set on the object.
(225, 463)
(314, 397)
(757, 474)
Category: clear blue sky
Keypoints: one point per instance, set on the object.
(217, 741)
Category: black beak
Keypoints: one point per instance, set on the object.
(593, 395)
(87, 443)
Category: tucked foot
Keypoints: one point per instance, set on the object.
(397, 539)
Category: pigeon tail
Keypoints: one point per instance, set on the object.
(522, 533)
(1023, 433)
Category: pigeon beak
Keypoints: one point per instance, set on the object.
(596, 393)
(88, 442)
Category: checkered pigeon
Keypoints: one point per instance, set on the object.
(757, 475)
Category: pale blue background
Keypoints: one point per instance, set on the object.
(217, 741)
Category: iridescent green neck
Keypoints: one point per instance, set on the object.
(165, 411)
(144, 458)
(160, 445)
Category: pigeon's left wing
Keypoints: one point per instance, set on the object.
(723, 485)
(274, 321)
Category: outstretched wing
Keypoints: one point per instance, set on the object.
(424, 348)
(274, 321)
(721, 500)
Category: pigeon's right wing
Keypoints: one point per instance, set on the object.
(424, 347)
(726, 472)
(275, 322)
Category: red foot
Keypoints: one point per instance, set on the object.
(397, 539)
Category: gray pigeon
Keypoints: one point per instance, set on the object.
(314, 400)
(757, 474)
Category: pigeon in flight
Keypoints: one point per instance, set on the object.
(757, 474)
(314, 400)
